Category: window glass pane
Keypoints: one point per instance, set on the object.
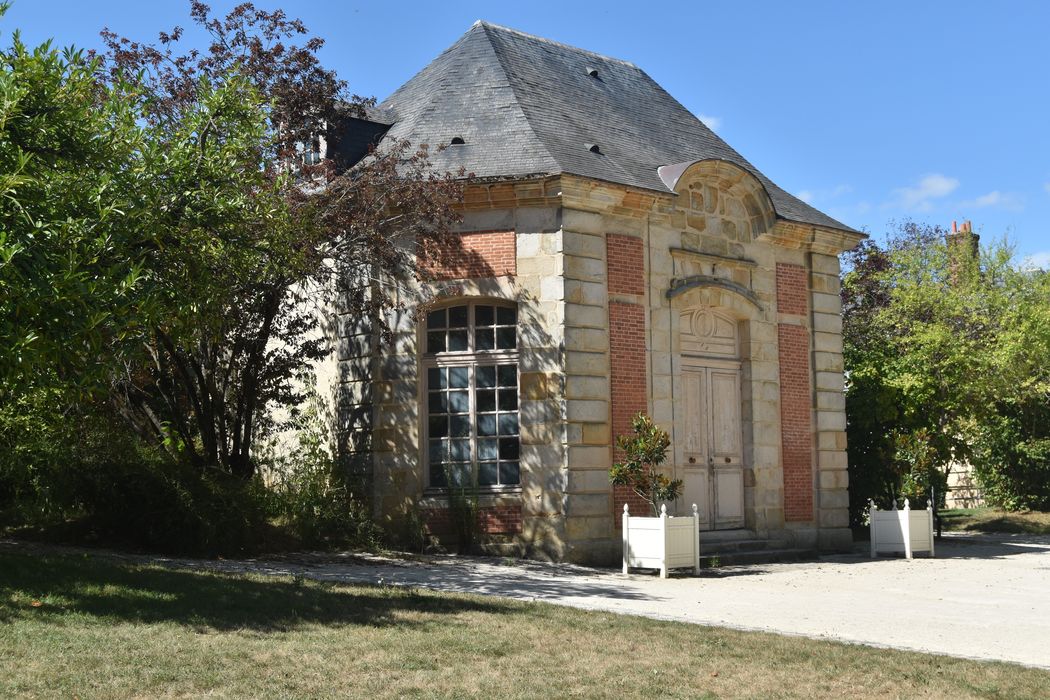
(437, 476)
(459, 426)
(506, 338)
(508, 424)
(459, 450)
(487, 449)
(483, 316)
(509, 473)
(508, 448)
(506, 315)
(459, 377)
(486, 400)
(486, 377)
(458, 402)
(487, 425)
(508, 375)
(457, 341)
(457, 317)
(436, 319)
(437, 378)
(438, 451)
(435, 341)
(438, 426)
(508, 399)
(437, 402)
(488, 474)
(460, 474)
(484, 339)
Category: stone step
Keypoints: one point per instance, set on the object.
(752, 544)
(710, 560)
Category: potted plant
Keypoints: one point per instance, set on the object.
(658, 541)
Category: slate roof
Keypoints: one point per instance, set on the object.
(525, 105)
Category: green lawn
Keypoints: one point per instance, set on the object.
(994, 520)
(83, 626)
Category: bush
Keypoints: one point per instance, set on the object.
(1012, 463)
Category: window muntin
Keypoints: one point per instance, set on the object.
(472, 427)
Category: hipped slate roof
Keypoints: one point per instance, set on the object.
(524, 106)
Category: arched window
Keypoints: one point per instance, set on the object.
(471, 375)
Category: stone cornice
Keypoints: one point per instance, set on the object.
(818, 239)
(710, 258)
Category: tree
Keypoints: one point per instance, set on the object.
(76, 237)
(643, 453)
(933, 355)
(249, 263)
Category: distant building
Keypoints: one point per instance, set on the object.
(617, 256)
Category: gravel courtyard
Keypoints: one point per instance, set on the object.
(983, 597)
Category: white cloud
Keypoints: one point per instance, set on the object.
(1040, 260)
(809, 196)
(918, 197)
(713, 123)
(995, 198)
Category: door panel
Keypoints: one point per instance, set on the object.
(710, 457)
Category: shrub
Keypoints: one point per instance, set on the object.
(644, 452)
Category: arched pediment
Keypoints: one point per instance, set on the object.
(720, 198)
(724, 288)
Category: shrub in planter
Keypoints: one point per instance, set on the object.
(644, 450)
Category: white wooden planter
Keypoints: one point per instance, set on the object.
(661, 543)
(895, 531)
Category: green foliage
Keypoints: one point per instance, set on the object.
(75, 218)
(643, 453)
(942, 350)
(320, 503)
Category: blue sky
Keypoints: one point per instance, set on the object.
(872, 111)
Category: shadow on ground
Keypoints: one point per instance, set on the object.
(57, 586)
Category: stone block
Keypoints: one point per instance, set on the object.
(586, 339)
(589, 528)
(587, 411)
(581, 268)
(584, 316)
(831, 421)
(830, 381)
(826, 264)
(833, 498)
(596, 434)
(586, 387)
(834, 517)
(828, 323)
(826, 303)
(589, 481)
(588, 457)
(827, 362)
(588, 504)
(580, 292)
(831, 459)
(586, 362)
(827, 342)
(831, 401)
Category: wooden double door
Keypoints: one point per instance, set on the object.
(710, 457)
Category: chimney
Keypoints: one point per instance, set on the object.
(962, 240)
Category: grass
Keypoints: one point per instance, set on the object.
(84, 626)
(994, 520)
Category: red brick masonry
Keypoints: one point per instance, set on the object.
(492, 520)
(629, 390)
(626, 264)
(479, 254)
(796, 399)
(792, 290)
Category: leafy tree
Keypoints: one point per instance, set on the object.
(76, 207)
(250, 264)
(643, 453)
(933, 355)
